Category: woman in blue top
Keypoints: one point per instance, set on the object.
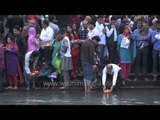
(124, 50)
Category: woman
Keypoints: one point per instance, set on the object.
(73, 37)
(33, 42)
(11, 63)
(124, 50)
(56, 49)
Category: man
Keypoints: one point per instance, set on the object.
(88, 63)
(112, 34)
(156, 49)
(112, 70)
(142, 38)
(102, 43)
(1, 66)
(21, 43)
(92, 30)
(31, 59)
(45, 37)
(54, 26)
(13, 20)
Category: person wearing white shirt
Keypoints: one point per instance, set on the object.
(66, 58)
(30, 57)
(112, 70)
(92, 30)
(111, 39)
(45, 38)
(102, 43)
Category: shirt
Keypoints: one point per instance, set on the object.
(92, 33)
(46, 35)
(139, 38)
(27, 62)
(109, 32)
(102, 36)
(115, 70)
(54, 27)
(155, 41)
(82, 33)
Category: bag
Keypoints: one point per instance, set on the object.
(56, 62)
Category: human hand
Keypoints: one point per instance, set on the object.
(104, 88)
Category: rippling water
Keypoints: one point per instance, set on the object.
(79, 97)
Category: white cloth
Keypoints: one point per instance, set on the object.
(157, 36)
(68, 53)
(109, 32)
(27, 57)
(102, 36)
(115, 70)
(125, 42)
(92, 33)
(46, 35)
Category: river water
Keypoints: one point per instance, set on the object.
(79, 97)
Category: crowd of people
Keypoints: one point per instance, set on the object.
(38, 47)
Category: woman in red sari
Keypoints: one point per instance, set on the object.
(73, 37)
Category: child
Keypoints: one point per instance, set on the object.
(47, 73)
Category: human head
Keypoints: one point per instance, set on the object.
(145, 22)
(109, 67)
(69, 28)
(113, 20)
(51, 18)
(91, 25)
(127, 29)
(10, 38)
(16, 29)
(124, 18)
(84, 24)
(32, 31)
(100, 19)
(45, 24)
(88, 18)
(34, 55)
(59, 36)
(62, 32)
(96, 39)
(31, 23)
(139, 23)
(74, 26)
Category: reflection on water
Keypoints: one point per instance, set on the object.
(79, 97)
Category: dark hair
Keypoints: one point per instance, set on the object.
(17, 27)
(46, 22)
(61, 31)
(51, 18)
(113, 18)
(35, 53)
(145, 21)
(97, 38)
(10, 36)
(123, 16)
(92, 22)
(100, 16)
(69, 34)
